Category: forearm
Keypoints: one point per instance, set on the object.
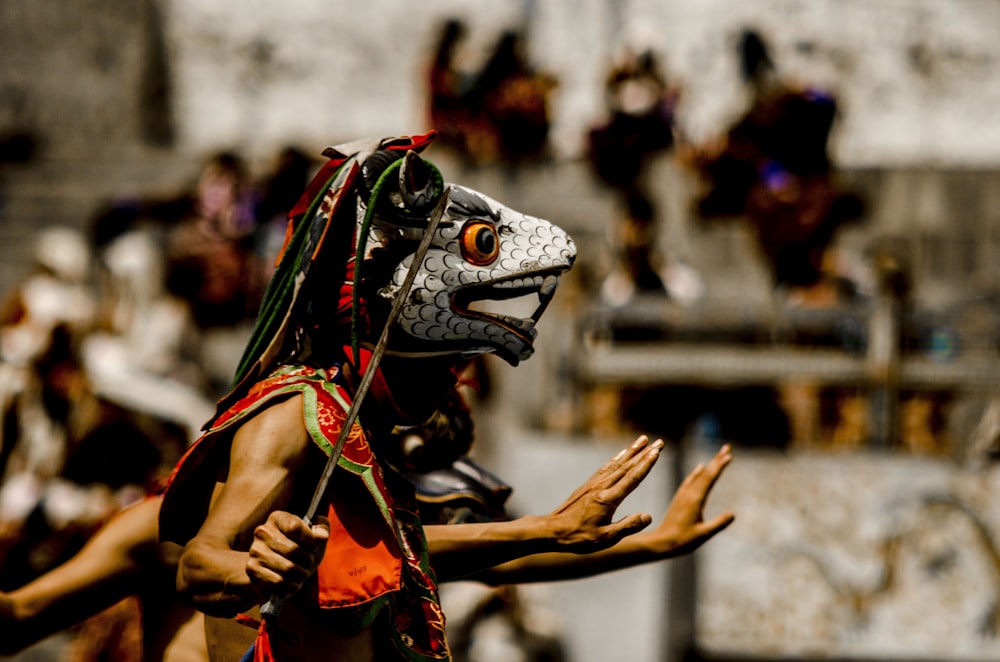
(558, 566)
(213, 579)
(267, 455)
(55, 602)
(682, 531)
(583, 524)
(459, 550)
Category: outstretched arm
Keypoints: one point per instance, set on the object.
(583, 524)
(682, 530)
(102, 573)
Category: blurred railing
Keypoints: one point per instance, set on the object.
(875, 345)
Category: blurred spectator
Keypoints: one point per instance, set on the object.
(498, 114)
(212, 244)
(147, 354)
(636, 268)
(447, 86)
(279, 192)
(71, 459)
(639, 269)
(41, 319)
(640, 123)
(773, 168)
(514, 98)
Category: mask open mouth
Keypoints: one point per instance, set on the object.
(515, 304)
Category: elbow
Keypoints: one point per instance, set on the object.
(212, 593)
(185, 583)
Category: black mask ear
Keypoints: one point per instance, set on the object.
(420, 183)
(375, 165)
(410, 192)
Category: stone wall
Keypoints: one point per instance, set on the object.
(851, 557)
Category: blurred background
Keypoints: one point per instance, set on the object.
(788, 216)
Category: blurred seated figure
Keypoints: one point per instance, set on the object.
(515, 101)
(639, 269)
(279, 191)
(57, 292)
(146, 356)
(448, 83)
(499, 114)
(98, 457)
(640, 124)
(185, 272)
(43, 316)
(772, 168)
(212, 244)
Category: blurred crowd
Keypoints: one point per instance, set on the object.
(770, 172)
(496, 113)
(114, 350)
(771, 167)
(115, 347)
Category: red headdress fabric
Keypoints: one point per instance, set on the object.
(318, 220)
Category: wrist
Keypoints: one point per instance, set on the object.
(544, 533)
(661, 544)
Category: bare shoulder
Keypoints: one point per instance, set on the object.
(271, 453)
(276, 434)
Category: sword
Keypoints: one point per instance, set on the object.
(272, 607)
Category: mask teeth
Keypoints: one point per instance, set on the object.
(526, 326)
(530, 281)
(545, 294)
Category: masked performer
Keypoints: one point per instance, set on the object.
(233, 500)
(123, 559)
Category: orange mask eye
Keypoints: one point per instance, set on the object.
(480, 243)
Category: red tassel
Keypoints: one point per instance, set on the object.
(262, 648)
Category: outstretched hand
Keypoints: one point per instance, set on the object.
(585, 520)
(285, 552)
(684, 528)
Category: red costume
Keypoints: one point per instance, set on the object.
(350, 238)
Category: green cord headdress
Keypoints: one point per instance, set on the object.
(320, 224)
